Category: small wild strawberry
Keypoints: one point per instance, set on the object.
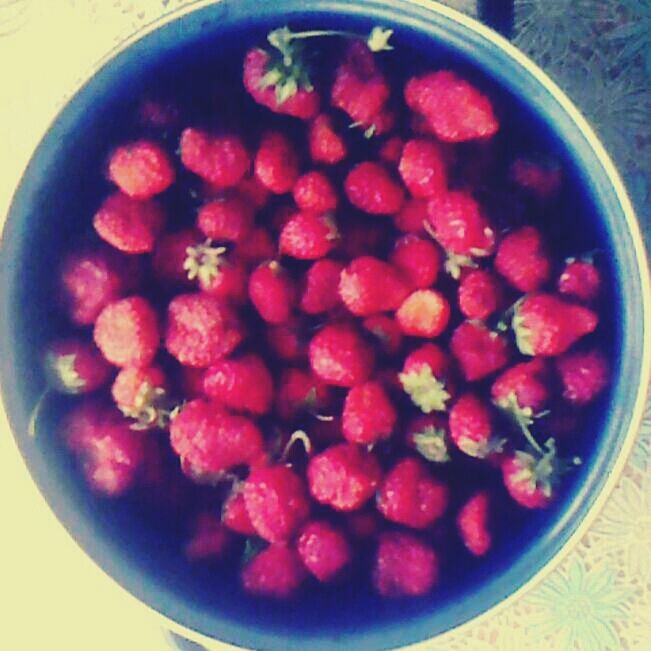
(424, 378)
(275, 572)
(326, 145)
(141, 394)
(523, 260)
(308, 235)
(480, 294)
(324, 549)
(320, 287)
(522, 390)
(472, 523)
(235, 515)
(373, 190)
(417, 259)
(412, 216)
(471, 427)
(580, 279)
(422, 168)
(424, 313)
(226, 219)
(428, 435)
(368, 415)
(584, 375)
(276, 163)
(478, 350)
(314, 191)
(272, 292)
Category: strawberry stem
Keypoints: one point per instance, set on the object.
(377, 40)
(37, 411)
(298, 435)
(529, 436)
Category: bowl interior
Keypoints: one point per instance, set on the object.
(61, 190)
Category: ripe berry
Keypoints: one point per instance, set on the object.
(417, 259)
(210, 539)
(386, 330)
(314, 191)
(522, 390)
(169, 256)
(275, 572)
(523, 260)
(320, 290)
(472, 523)
(412, 216)
(343, 476)
(410, 496)
(530, 479)
(326, 145)
(424, 313)
(584, 375)
(220, 275)
(422, 168)
(368, 414)
(339, 356)
(75, 366)
(226, 219)
(272, 292)
(372, 189)
(471, 427)
(140, 393)
(324, 550)
(308, 236)
(299, 391)
(425, 378)
(480, 294)
(276, 163)
(478, 350)
(235, 515)
(580, 279)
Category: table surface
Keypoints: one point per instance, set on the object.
(597, 599)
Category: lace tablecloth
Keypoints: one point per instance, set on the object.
(599, 597)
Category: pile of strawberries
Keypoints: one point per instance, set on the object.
(340, 322)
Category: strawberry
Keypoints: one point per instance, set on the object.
(75, 366)
(417, 259)
(141, 394)
(391, 150)
(412, 216)
(287, 341)
(455, 110)
(424, 378)
(235, 515)
(110, 452)
(242, 384)
(368, 415)
(326, 145)
(276, 163)
(308, 236)
(221, 160)
(299, 391)
(580, 279)
(369, 285)
(339, 356)
(209, 440)
(313, 191)
(459, 225)
(408, 495)
(478, 350)
(219, 274)
(344, 476)
(257, 247)
(226, 219)
(127, 332)
(424, 313)
(282, 89)
(522, 390)
(404, 566)
(386, 330)
(320, 287)
(480, 294)
(141, 169)
(523, 260)
(128, 225)
(428, 435)
(373, 190)
(276, 501)
(422, 168)
(472, 523)
(584, 375)
(210, 539)
(272, 292)
(169, 255)
(201, 330)
(543, 179)
(471, 427)
(546, 325)
(324, 550)
(276, 572)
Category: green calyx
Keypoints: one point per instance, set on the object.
(431, 444)
(151, 409)
(425, 389)
(203, 261)
(62, 375)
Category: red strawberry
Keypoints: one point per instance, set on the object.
(127, 333)
(201, 330)
(276, 163)
(229, 218)
(314, 191)
(140, 393)
(471, 427)
(276, 501)
(523, 260)
(324, 550)
(428, 435)
(320, 291)
(424, 313)
(373, 190)
(410, 496)
(369, 285)
(459, 225)
(472, 522)
(223, 276)
(412, 216)
(422, 168)
(257, 247)
(128, 225)
(170, 253)
(221, 160)
(242, 384)
(580, 279)
(287, 341)
(209, 540)
(275, 572)
(299, 391)
(339, 356)
(417, 259)
(478, 350)
(266, 81)
(75, 366)
(456, 110)
(480, 294)
(522, 390)
(584, 375)
(308, 236)
(344, 476)
(235, 515)
(424, 378)
(386, 330)
(326, 145)
(391, 150)
(272, 292)
(368, 414)
(110, 452)
(209, 440)
(546, 325)
(404, 566)
(530, 479)
(141, 169)
(542, 179)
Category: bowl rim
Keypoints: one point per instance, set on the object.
(623, 203)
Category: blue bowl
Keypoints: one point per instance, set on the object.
(62, 187)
